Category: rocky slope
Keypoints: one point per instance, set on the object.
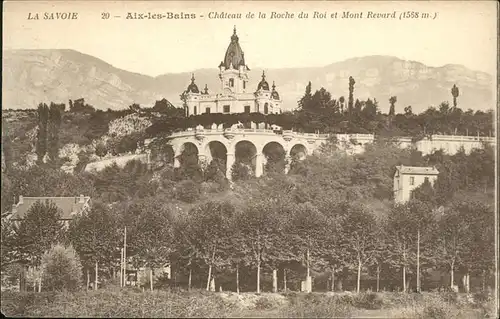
(34, 76)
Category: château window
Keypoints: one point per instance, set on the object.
(247, 108)
(226, 109)
(194, 112)
(207, 110)
(266, 108)
(231, 82)
(412, 180)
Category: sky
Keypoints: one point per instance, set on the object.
(461, 33)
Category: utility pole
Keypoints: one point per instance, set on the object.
(125, 257)
(121, 267)
(418, 260)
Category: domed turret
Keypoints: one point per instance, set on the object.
(263, 83)
(234, 54)
(192, 88)
(274, 93)
(205, 90)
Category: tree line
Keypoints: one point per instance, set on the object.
(330, 217)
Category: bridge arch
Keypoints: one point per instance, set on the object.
(216, 150)
(245, 153)
(274, 154)
(299, 151)
(187, 153)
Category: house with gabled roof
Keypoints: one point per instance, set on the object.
(69, 206)
(408, 178)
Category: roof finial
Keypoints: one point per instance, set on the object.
(263, 75)
(206, 88)
(192, 77)
(234, 30)
(274, 86)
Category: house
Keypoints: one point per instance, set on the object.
(69, 206)
(407, 178)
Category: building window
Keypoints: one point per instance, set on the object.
(412, 180)
(231, 82)
(194, 112)
(227, 109)
(266, 108)
(247, 108)
(207, 110)
(244, 84)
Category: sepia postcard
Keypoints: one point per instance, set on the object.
(286, 159)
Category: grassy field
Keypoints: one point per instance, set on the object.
(116, 302)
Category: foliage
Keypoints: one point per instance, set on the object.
(38, 231)
(187, 191)
(61, 269)
(94, 236)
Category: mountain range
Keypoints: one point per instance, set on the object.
(34, 76)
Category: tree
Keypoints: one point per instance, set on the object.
(54, 125)
(305, 101)
(359, 238)
(342, 101)
(152, 235)
(61, 269)
(38, 231)
(307, 236)
(42, 134)
(400, 238)
(452, 240)
(95, 237)
(392, 101)
(454, 92)
(351, 94)
(408, 111)
(261, 229)
(422, 221)
(212, 223)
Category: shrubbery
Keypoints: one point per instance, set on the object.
(187, 191)
(61, 269)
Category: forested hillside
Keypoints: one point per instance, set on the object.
(331, 216)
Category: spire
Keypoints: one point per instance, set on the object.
(263, 75)
(192, 77)
(234, 37)
(206, 89)
(274, 86)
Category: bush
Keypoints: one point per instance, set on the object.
(263, 303)
(241, 171)
(368, 300)
(187, 191)
(61, 269)
(116, 303)
(316, 306)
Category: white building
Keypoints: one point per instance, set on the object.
(234, 96)
(407, 178)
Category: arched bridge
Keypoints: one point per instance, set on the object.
(256, 145)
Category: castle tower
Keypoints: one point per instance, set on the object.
(192, 95)
(235, 95)
(233, 70)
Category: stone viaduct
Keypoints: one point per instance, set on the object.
(226, 143)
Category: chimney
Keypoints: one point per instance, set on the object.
(82, 199)
(21, 200)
